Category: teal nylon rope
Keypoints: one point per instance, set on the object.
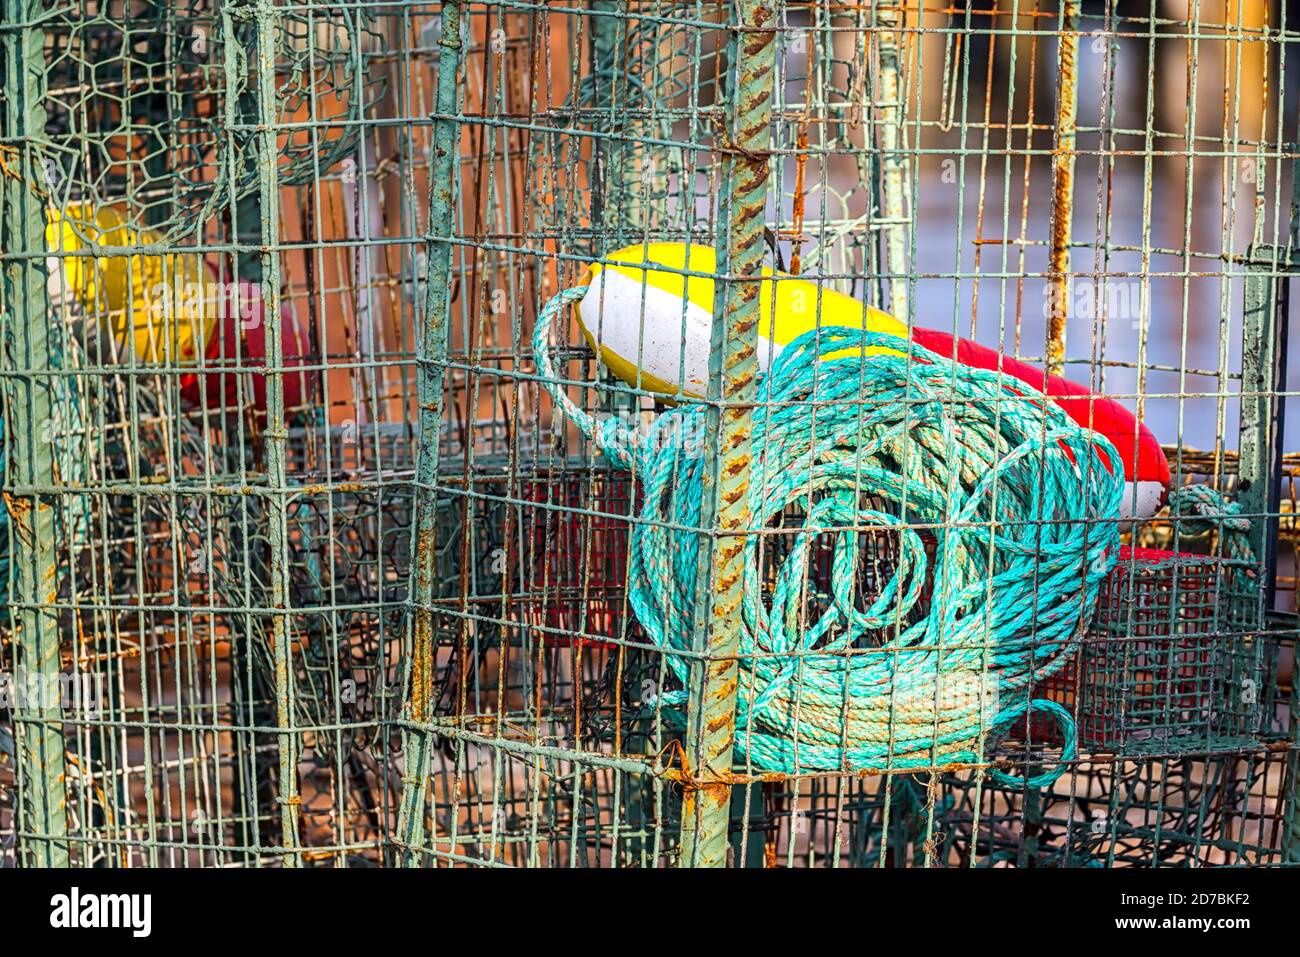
(1021, 502)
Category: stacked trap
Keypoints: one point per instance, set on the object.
(354, 579)
(1169, 664)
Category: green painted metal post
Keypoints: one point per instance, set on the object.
(268, 24)
(29, 410)
(1259, 464)
(1259, 411)
(621, 218)
(252, 707)
(1291, 781)
(432, 352)
(733, 367)
(617, 217)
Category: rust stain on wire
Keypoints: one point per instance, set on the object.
(1063, 187)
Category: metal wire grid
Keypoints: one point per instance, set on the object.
(678, 156)
(165, 597)
(237, 732)
(1175, 812)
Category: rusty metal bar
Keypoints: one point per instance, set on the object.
(432, 355)
(1067, 110)
(733, 367)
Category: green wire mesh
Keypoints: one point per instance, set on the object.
(243, 583)
(141, 99)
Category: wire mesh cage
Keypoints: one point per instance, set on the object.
(645, 432)
(1164, 658)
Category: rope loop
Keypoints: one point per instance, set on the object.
(616, 442)
(1200, 509)
(1069, 734)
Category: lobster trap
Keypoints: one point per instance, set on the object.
(314, 552)
(1165, 660)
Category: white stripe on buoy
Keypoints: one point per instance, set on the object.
(648, 328)
(1142, 499)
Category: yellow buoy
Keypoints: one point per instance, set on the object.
(648, 313)
(162, 304)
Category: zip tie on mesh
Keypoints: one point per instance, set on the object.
(1024, 509)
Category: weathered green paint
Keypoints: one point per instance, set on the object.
(276, 434)
(432, 352)
(1259, 410)
(29, 418)
(1267, 269)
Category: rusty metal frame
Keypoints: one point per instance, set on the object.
(733, 370)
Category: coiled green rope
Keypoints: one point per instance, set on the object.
(1024, 509)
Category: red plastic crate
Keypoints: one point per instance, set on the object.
(1156, 668)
